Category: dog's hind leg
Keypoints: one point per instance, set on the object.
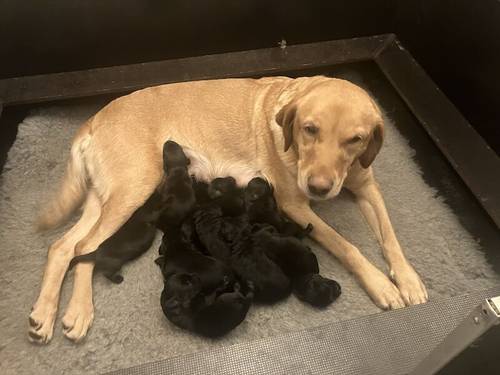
(116, 209)
(43, 314)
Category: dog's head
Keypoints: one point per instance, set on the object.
(331, 124)
(258, 188)
(173, 156)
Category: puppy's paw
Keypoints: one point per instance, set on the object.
(41, 323)
(116, 279)
(317, 290)
(77, 320)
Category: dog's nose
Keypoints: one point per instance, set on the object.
(319, 185)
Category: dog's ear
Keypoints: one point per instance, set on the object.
(373, 148)
(285, 118)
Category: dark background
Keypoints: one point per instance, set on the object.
(456, 41)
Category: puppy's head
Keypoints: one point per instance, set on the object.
(227, 195)
(227, 310)
(222, 186)
(173, 156)
(331, 124)
(182, 288)
(258, 188)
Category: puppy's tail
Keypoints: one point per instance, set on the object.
(86, 258)
(72, 189)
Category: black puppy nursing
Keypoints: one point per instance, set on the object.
(230, 247)
(223, 248)
(200, 293)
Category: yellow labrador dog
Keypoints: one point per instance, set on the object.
(309, 137)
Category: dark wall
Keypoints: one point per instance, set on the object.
(456, 41)
(67, 35)
(458, 44)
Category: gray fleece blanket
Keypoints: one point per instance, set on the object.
(129, 326)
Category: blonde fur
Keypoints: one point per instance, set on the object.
(72, 189)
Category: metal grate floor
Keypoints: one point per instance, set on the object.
(387, 343)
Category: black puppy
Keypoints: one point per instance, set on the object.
(251, 262)
(296, 260)
(300, 264)
(275, 263)
(135, 237)
(218, 201)
(229, 238)
(224, 192)
(200, 294)
(262, 208)
(177, 192)
(200, 191)
(132, 240)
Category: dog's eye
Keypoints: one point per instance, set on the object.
(311, 129)
(355, 139)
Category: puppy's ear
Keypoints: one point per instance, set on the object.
(373, 148)
(285, 118)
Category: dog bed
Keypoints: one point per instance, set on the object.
(129, 326)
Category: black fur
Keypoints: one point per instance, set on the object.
(274, 262)
(132, 240)
(224, 192)
(177, 190)
(229, 239)
(201, 293)
(300, 264)
(262, 208)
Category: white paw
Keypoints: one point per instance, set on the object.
(77, 320)
(380, 289)
(41, 323)
(410, 285)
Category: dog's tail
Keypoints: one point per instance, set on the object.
(86, 258)
(73, 187)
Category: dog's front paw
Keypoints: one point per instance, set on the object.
(380, 289)
(41, 323)
(77, 320)
(410, 285)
